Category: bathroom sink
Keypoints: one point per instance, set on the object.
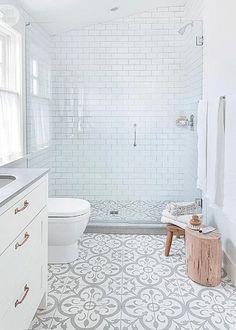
(6, 179)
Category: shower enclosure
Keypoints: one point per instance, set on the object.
(115, 128)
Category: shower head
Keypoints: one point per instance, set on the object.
(183, 29)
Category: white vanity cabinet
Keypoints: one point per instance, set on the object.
(23, 256)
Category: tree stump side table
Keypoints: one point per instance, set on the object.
(203, 257)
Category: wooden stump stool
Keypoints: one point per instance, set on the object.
(171, 230)
(203, 257)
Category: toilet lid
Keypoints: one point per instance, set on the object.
(67, 207)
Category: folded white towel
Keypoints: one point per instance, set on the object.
(173, 222)
(181, 208)
(230, 158)
(181, 218)
(213, 108)
(220, 154)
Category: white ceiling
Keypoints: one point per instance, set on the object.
(63, 15)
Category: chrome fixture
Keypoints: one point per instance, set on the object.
(191, 122)
(183, 29)
(199, 40)
(135, 135)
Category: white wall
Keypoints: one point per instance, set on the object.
(220, 50)
(220, 79)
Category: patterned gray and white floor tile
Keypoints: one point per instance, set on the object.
(124, 282)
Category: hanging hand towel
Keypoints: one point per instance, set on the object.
(213, 141)
(230, 158)
(220, 154)
(202, 144)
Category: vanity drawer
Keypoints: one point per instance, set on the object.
(15, 219)
(22, 261)
(25, 302)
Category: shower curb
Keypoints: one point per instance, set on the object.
(121, 228)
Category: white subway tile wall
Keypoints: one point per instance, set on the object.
(105, 79)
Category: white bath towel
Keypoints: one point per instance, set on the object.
(220, 154)
(181, 218)
(212, 133)
(173, 222)
(202, 144)
(230, 158)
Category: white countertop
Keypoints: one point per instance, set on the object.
(24, 178)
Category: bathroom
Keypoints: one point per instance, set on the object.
(114, 116)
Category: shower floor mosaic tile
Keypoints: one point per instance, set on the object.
(129, 212)
(124, 282)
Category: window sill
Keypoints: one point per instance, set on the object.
(15, 163)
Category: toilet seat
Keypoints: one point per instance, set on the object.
(67, 207)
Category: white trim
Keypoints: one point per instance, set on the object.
(12, 91)
(18, 159)
(229, 267)
(9, 29)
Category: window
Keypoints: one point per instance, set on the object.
(38, 110)
(40, 74)
(35, 78)
(11, 126)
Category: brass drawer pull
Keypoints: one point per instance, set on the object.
(26, 237)
(26, 204)
(26, 291)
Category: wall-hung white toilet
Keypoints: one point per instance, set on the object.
(67, 220)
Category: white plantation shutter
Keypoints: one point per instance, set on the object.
(11, 127)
